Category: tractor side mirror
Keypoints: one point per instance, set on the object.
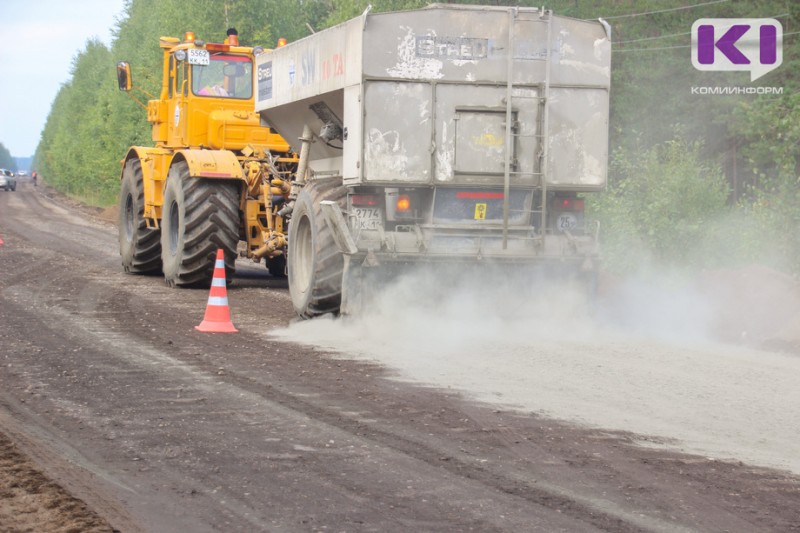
(124, 76)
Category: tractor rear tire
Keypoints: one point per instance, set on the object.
(139, 246)
(315, 262)
(199, 216)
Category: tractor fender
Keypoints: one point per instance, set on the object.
(154, 164)
(149, 157)
(217, 164)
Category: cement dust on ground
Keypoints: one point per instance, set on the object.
(649, 359)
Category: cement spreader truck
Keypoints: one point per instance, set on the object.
(450, 135)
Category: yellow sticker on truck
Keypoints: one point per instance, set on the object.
(480, 211)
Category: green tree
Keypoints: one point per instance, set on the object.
(659, 205)
(74, 152)
(6, 161)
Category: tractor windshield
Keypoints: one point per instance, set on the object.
(226, 76)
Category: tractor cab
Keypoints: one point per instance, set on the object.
(206, 98)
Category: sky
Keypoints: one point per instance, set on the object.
(40, 40)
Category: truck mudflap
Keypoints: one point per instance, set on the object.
(338, 225)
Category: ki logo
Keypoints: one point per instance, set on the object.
(754, 45)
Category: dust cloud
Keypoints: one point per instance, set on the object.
(641, 357)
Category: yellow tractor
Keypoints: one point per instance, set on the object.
(215, 176)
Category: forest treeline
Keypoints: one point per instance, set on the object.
(704, 180)
(6, 160)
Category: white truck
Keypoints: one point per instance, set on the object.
(451, 134)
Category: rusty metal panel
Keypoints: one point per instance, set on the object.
(437, 44)
(581, 53)
(397, 132)
(470, 134)
(578, 138)
(480, 143)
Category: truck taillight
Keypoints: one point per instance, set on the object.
(569, 204)
(281, 42)
(403, 204)
(363, 200)
(188, 37)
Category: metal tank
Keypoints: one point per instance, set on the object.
(489, 121)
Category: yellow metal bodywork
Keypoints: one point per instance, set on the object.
(219, 138)
(219, 164)
(155, 165)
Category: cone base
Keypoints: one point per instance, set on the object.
(216, 327)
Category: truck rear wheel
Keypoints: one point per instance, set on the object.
(315, 262)
(199, 216)
(139, 246)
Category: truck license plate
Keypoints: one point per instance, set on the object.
(197, 56)
(566, 221)
(368, 218)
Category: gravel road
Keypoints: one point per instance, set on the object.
(115, 414)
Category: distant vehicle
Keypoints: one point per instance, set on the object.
(22, 173)
(7, 180)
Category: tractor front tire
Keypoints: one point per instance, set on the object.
(139, 246)
(199, 216)
(315, 262)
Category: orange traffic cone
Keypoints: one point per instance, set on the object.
(218, 314)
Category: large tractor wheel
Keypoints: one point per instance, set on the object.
(315, 262)
(139, 246)
(199, 216)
